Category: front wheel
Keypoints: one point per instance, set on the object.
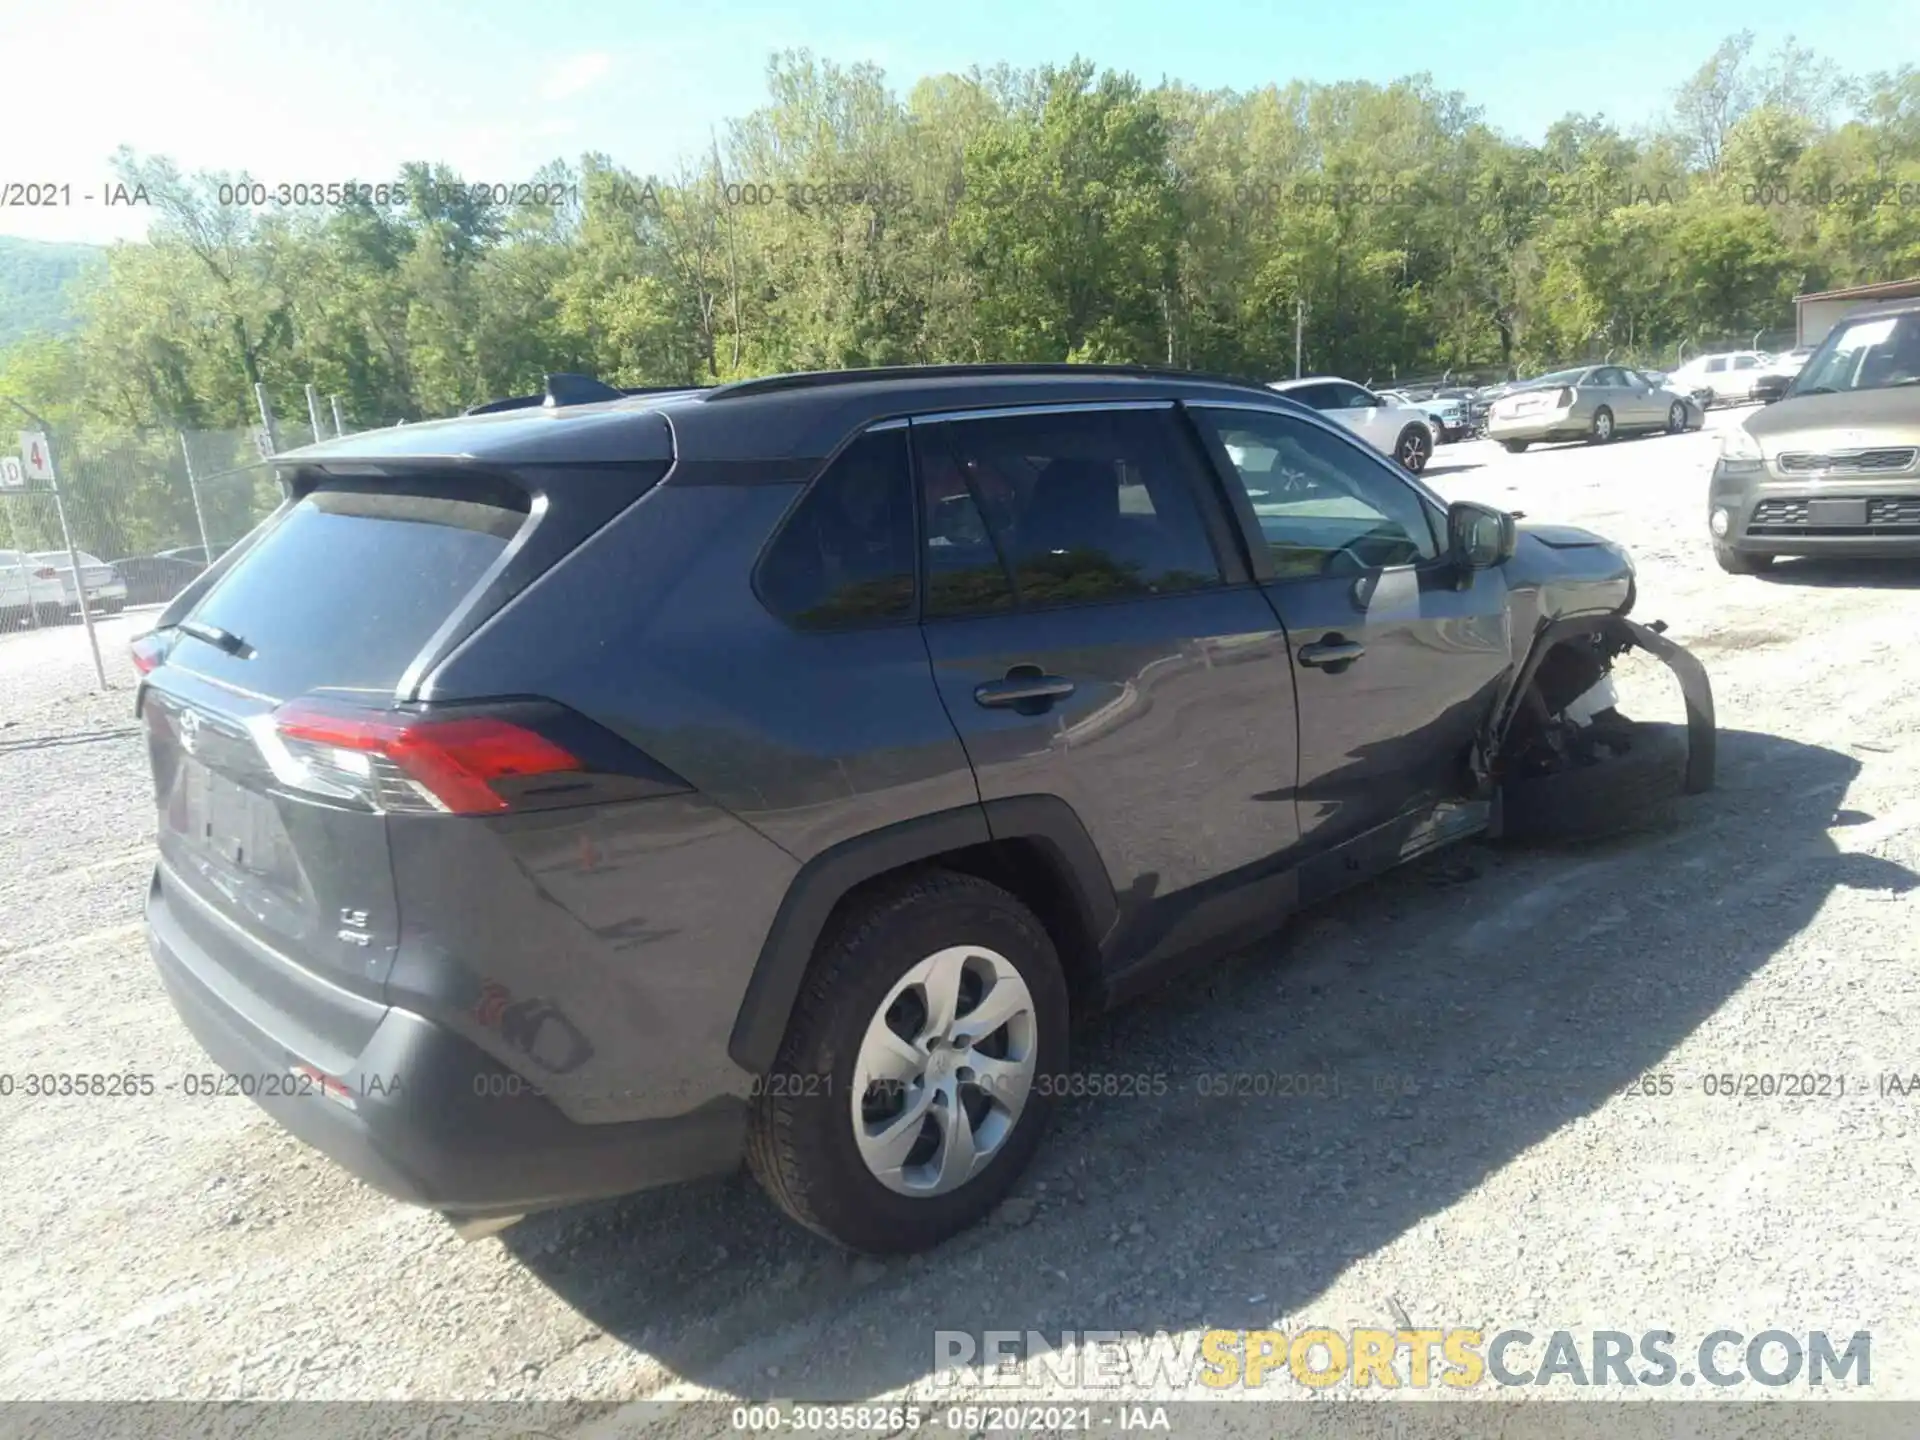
(1414, 448)
(1602, 426)
(916, 1077)
(1676, 418)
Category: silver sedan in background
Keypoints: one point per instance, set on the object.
(1593, 403)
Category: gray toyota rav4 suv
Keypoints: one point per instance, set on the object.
(590, 792)
(1833, 467)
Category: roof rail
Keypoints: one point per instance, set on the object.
(813, 379)
(567, 389)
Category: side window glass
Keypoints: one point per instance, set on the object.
(966, 574)
(1715, 366)
(1324, 506)
(1079, 506)
(845, 554)
(1745, 362)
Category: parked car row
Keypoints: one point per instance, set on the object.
(1594, 403)
(39, 585)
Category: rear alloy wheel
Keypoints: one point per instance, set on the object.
(1414, 448)
(911, 1086)
(1676, 418)
(1602, 426)
(1735, 562)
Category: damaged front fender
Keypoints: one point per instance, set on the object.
(1570, 655)
(1702, 732)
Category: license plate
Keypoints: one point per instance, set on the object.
(1837, 512)
(221, 818)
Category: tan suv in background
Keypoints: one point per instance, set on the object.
(1832, 468)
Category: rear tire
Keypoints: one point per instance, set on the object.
(1635, 790)
(1735, 562)
(804, 1140)
(1602, 426)
(1515, 447)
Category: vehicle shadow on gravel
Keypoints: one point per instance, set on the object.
(1323, 1096)
(1846, 574)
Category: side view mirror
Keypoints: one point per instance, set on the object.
(1769, 388)
(1480, 537)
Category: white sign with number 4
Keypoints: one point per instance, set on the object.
(36, 456)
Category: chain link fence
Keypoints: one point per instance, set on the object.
(145, 514)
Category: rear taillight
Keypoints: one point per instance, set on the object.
(1563, 399)
(148, 651)
(395, 761)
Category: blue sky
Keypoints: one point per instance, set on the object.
(351, 88)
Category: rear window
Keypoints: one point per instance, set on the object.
(346, 590)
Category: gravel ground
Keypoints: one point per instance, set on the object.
(1481, 1157)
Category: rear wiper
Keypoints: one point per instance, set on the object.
(220, 639)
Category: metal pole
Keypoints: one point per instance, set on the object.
(26, 579)
(193, 488)
(266, 416)
(339, 425)
(313, 413)
(1299, 326)
(79, 580)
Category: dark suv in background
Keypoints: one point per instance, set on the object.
(586, 794)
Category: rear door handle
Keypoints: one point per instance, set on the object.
(1331, 654)
(1029, 688)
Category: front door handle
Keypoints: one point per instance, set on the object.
(1026, 687)
(1332, 654)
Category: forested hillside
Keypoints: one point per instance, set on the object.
(34, 286)
(1060, 214)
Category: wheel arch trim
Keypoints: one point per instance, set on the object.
(824, 881)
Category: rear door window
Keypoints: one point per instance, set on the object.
(347, 588)
(1061, 509)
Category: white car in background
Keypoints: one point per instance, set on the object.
(28, 586)
(106, 591)
(1728, 376)
(1405, 432)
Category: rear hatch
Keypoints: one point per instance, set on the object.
(278, 729)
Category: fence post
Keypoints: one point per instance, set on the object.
(339, 425)
(313, 413)
(266, 416)
(193, 488)
(79, 576)
(26, 580)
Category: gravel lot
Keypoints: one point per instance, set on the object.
(1506, 998)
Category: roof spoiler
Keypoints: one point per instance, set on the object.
(564, 388)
